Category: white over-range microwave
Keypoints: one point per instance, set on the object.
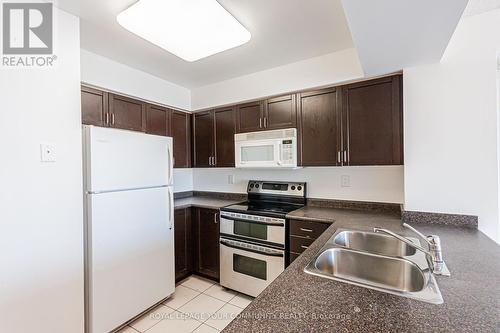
(266, 149)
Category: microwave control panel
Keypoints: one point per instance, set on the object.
(287, 151)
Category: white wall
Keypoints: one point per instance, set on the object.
(41, 222)
(106, 73)
(315, 72)
(377, 184)
(183, 180)
(451, 127)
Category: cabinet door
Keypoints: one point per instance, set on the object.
(157, 120)
(250, 117)
(180, 129)
(373, 121)
(225, 123)
(94, 106)
(183, 243)
(203, 139)
(127, 113)
(280, 112)
(207, 242)
(319, 129)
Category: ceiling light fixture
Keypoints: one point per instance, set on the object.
(190, 29)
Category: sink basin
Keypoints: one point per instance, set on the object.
(378, 262)
(370, 269)
(374, 242)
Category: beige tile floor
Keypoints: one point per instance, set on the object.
(198, 305)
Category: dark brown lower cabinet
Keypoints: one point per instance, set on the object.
(206, 242)
(302, 235)
(183, 243)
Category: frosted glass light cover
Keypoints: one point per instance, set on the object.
(190, 29)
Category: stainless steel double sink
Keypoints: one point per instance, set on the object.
(376, 261)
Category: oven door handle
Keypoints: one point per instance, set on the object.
(252, 250)
(254, 222)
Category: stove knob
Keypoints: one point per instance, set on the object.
(251, 185)
(256, 185)
(293, 188)
(299, 188)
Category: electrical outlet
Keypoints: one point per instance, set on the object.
(345, 181)
(230, 179)
(47, 153)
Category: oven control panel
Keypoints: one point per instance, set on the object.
(277, 188)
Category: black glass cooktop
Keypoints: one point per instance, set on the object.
(273, 209)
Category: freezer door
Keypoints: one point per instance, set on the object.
(129, 255)
(117, 159)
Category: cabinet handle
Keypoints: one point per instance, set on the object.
(265, 122)
(345, 156)
(215, 218)
(210, 160)
(304, 247)
(260, 122)
(306, 230)
(338, 157)
(112, 119)
(106, 118)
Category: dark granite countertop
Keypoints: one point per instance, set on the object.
(315, 214)
(203, 202)
(299, 302)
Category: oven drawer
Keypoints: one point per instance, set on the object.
(249, 268)
(307, 229)
(299, 244)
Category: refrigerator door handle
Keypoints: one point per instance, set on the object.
(171, 208)
(170, 166)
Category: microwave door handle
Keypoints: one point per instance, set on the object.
(252, 250)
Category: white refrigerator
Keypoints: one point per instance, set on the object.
(129, 226)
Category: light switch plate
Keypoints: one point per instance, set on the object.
(230, 179)
(47, 153)
(345, 181)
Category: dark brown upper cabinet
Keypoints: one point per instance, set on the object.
(250, 117)
(203, 133)
(127, 113)
(157, 120)
(274, 113)
(180, 130)
(214, 138)
(183, 243)
(280, 112)
(319, 127)
(372, 118)
(206, 242)
(94, 106)
(225, 125)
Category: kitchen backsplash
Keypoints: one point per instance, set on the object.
(373, 183)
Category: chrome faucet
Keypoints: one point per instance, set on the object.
(434, 255)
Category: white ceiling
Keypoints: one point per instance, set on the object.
(283, 31)
(393, 34)
(476, 7)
